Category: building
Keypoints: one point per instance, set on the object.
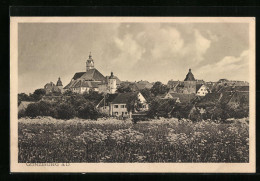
(92, 79)
(116, 104)
(59, 85)
(201, 90)
(188, 86)
(52, 88)
(225, 82)
(110, 85)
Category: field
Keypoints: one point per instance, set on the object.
(165, 140)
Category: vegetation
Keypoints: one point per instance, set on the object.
(67, 107)
(159, 88)
(165, 140)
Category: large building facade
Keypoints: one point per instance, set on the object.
(92, 79)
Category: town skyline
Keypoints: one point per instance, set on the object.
(132, 51)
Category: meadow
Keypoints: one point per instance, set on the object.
(50, 140)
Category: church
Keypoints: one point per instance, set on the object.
(92, 79)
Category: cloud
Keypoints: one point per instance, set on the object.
(195, 50)
(229, 67)
(168, 43)
(130, 51)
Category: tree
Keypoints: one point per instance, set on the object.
(159, 88)
(23, 97)
(132, 102)
(32, 110)
(162, 108)
(92, 96)
(87, 111)
(65, 111)
(38, 94)
(124, 88)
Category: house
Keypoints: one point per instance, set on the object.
(201, 90)
(116, 104)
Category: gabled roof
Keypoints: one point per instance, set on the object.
(237, 96)
(242, 88)
(211, 97)
(108, 99)
(123, 98)
(198, 86)
(172, 83)
(23, 105)
(234, 89)
(78, 75)
(184, 98)
(93, 74)
(83, 83)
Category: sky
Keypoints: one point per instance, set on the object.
(132, 51)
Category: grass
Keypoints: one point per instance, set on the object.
(48, 140)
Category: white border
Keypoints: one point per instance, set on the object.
(129, 167)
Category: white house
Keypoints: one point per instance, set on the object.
(116, 104)
(202, 90)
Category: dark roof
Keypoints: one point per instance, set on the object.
(198, 87)
(189, 76)
(78, 75)
(184, 98)
(59, 83)
(84, 83)
(172, 83)
(234, 88)
(108, 99)
(143, 84)
(242, 88)
(93, 74)
(123, 98)
(211, 97)
(112, 76)
(225, 97)
(237, 96)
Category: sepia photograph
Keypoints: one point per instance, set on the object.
(132, 94)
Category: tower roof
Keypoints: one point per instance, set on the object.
(59, 83)
(189, 76)
(112, 76)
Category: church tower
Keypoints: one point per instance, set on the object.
(112, 84)
(90, 63)
(59, 84)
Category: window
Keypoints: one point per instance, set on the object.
(125, 112)
(122, 106)
(116, 113)
(115, 106)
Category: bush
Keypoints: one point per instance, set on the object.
(32, 110)
(65, 111)
(88, 111)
